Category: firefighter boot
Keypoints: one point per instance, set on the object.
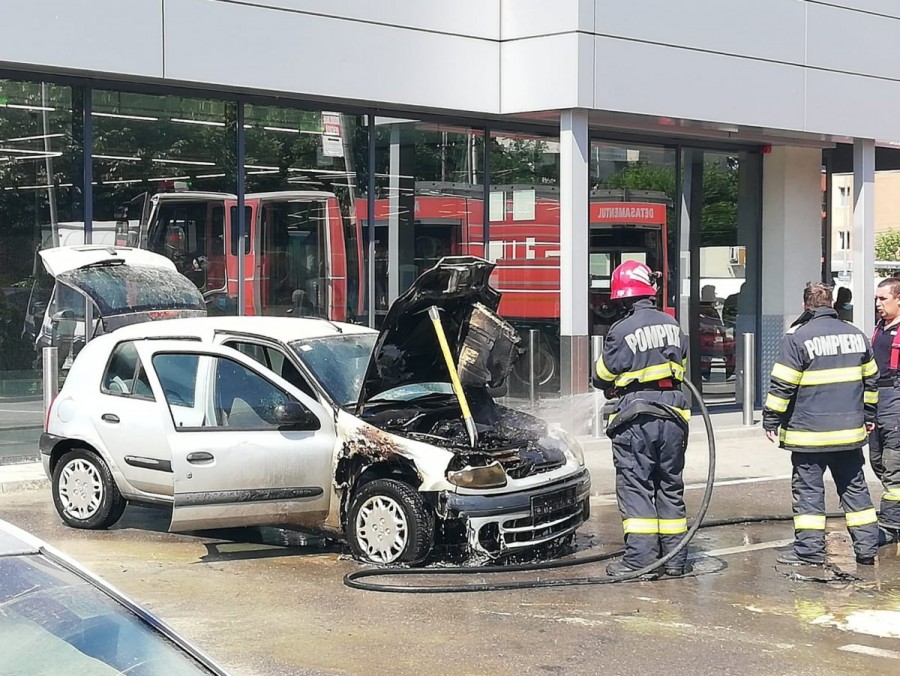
(887, 535)
(679, 571)
(618, 569)
(792, 559)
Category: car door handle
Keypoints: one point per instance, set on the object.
(200, 456)
(110, 417)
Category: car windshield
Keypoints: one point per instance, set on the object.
(54, 622)
(338, 362)
(121, 289)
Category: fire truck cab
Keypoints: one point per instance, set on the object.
(295, 258)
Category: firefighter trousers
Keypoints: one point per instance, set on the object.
(648, 454)
(884, 454)
(808, 484)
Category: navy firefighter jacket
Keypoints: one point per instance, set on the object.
(823, 388)
(644, 358)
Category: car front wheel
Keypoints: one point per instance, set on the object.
(84, 492)
(389, 523)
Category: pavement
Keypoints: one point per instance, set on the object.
(269, 601)
(265, 602)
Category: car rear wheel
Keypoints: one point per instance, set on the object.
(84, 492)
(389, 523)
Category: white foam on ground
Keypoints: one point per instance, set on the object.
(882, 623)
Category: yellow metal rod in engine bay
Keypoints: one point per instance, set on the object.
(454, 376)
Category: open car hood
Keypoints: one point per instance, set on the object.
(483, 345)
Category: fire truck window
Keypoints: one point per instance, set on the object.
(217, 232)
(235, 235)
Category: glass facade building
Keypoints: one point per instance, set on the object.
(285, 208)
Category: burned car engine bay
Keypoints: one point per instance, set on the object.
(517, 440)
(414, 398)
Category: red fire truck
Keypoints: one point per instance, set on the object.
(300, 257)
(295, 253)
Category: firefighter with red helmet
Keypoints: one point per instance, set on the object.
(643, 363)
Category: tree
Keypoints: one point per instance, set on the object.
(887, 246)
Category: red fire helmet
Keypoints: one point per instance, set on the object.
(632, 279)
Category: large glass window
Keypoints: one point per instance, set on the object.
(632, 217)
(720, 239)
(306, 182)
(524, 244)
(41, 206)
(429, 200)
(165, 175)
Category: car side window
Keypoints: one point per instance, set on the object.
(242, 399)
(275, 361)
(125, 375)
(177, 374)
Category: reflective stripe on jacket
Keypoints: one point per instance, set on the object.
(823, 388)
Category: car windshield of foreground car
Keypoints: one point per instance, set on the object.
(338, 362)
(54, 622)
(117, 289)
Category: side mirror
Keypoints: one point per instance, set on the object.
(63, 315)
(295, 416)
(64, 324)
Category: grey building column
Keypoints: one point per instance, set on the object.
(574, 239)
(791, 243)
(863, 237)
(401, 210)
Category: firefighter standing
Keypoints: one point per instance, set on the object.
(823, 395)
(643, 361)
(884, 442)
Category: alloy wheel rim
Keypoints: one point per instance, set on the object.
(382, 530)
(80, 489)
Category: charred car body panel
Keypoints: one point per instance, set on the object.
(398, 445)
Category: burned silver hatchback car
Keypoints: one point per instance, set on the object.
(392, 439)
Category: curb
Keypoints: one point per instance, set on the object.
(22, 477)
(23, 485)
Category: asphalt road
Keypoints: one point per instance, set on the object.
(261, 603)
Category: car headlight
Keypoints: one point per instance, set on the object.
(489, 476)
(570, 442)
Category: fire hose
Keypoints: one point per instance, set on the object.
(355, 579)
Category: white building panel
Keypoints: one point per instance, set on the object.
(885, 7)
(98, 36)
(533, 18)
(255, 48)
(474, 18)
(853, 42)
(546, 73)
(854, 106)
(675, 82)
(766, 29)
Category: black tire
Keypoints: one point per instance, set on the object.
(104, 502)
(409, 522)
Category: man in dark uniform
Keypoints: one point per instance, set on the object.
(884, 442)
(643, 363)
(823, 395)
